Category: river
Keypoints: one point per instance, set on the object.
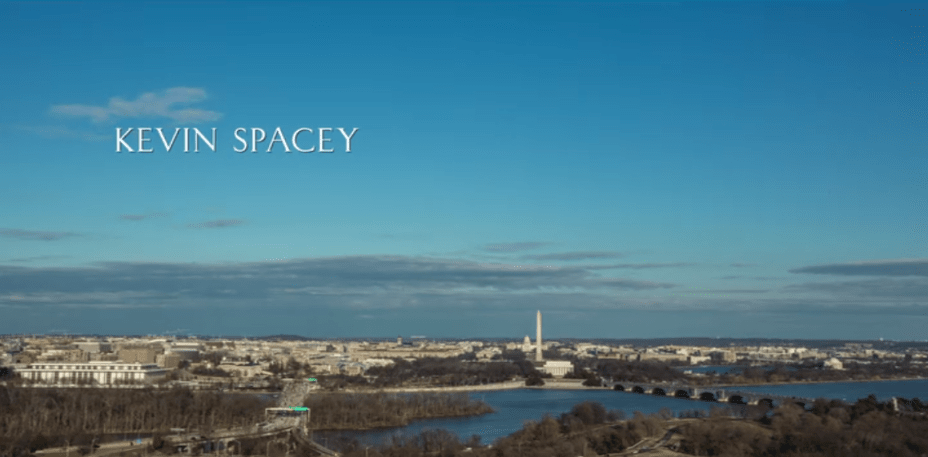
(514, 407)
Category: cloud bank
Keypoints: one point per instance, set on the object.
(142, 217)
(218, 223)
(354, 281)
(514, 247)
(34, 235)
(572, 256)
(450, 290)
(894, 267)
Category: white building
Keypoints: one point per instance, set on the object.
(93, 373)
(556, 368)
(834, 364)
(94, 347)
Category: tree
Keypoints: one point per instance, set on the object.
(534, 380)
(592, 380)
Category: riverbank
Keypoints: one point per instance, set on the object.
(577, 384)
(565, 384)
(787, 383)
(483, 387)
(372, 410)
(392, 425)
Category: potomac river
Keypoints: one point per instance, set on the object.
(515, 406)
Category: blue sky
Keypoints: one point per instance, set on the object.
(631, 169)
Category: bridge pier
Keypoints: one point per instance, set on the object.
(712, 394)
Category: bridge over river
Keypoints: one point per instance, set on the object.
(722, 394)
(286, 426)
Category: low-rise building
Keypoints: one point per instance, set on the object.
(697, 359)
(661, 357)
(100, 373)
(169, 360)
(834, 364)
(94, 346)
(139, 354)
(723, 356)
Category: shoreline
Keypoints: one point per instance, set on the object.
(409, 421)
(496, 386)
(576, 384)
(568, 384)
(786, 383)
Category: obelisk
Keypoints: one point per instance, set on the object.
(538, 339)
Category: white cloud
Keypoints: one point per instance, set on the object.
(171, 103)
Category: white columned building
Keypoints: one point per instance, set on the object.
(93, 373)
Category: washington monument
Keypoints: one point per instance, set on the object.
(538, 339)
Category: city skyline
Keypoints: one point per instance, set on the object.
(631, 170)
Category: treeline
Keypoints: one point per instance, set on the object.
(290, 369)
(448, 372)
(830, 428)
(214, 372)
(32, 418)
(653, 371)
(432, 372)
(348, 411)
(814, 371)
(620, 370)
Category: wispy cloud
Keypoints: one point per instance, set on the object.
(38, 258)
(638, 266)
(743, 265)
(514, 247)
(889, 288)
(141, 217)
(572, 256)
(890, 267)
(362, 284)
(633, 284)
(713, 292)
(171, 103)
(219, 223)
(756, 278)
(365, 281)
(35, 234)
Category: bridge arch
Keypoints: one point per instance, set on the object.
(736, 399)
(232, 446)
(707, 396)
(765, 402)
(658, 391)
(680, 393)
(619, 387)
(638, 389)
